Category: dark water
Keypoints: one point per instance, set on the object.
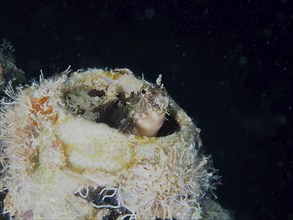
(225, 62)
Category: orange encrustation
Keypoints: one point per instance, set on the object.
(41, 106)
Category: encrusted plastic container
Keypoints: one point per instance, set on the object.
(102, 144)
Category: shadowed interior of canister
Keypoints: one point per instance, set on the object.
(114, 113)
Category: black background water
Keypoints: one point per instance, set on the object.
(225, 62)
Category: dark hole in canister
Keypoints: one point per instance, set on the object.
(115, 112)
(169, 127)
